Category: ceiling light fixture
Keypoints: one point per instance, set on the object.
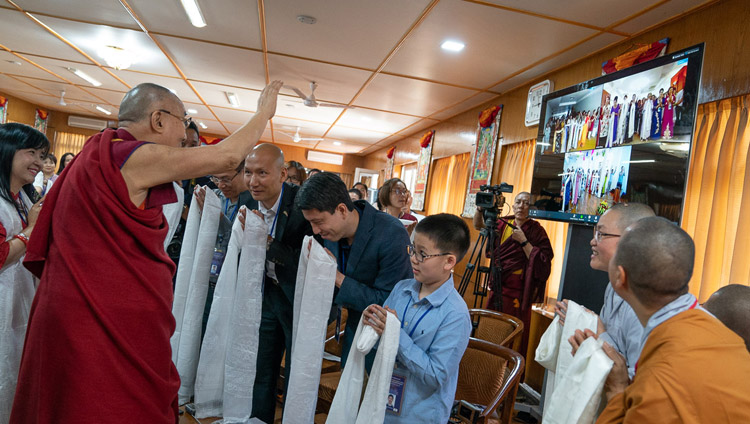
(232, 98)
(453, 46)
(102, 110)
(193, 12)
(14, 62)
(337, 143)
(85, 76)
(192, 111)
(202, 125)
(117, 57)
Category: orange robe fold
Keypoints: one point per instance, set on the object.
(692, 370)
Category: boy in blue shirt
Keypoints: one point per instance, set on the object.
(435, 324)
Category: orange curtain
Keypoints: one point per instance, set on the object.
(717, 200)
(449, 178)
(516, 169)
(68, 143)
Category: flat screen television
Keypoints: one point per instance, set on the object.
(621, 137)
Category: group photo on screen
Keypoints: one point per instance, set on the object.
(594, 180)
(641, 108)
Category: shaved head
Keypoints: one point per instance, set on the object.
(731, 305)
(657, 257)
(270, 152)
(143, 99)
(628, 214)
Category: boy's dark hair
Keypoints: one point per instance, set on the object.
(324, 191)
(360, 183)
(192, 126)
(449, 233)
(356, 192)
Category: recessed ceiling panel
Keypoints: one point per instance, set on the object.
(355, 135)
(374, 120)
(234, 116)
(409, 96)
(93, 39)
(358, 33)
(306, 128)
(21, 34)
(601, 13)
(60, 68)
(281, 139)
(10, 85)
(340, 146)
(184, 92)
(292, 107)
(112, 97)
(216, 95)
(14, 65)
(218, 64)
(233, 22)
(659, 14)
(497, 43)
(105, 12)
(334, 83)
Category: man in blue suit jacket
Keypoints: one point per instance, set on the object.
(369, 246)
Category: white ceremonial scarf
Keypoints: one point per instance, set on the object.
(227, 365)
(313, 295)
(575, 384)
(346, 408)
(17, 288)
(191, 289)
(173, 212)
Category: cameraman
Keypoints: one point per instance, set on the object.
(524, 254)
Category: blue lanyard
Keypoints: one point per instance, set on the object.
(411, 333)
(21, 209)
(276, 215)
(226, 209)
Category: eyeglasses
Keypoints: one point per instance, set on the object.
(186, 120)
(421, 257)
(400, 192)
(225, 180)
(598, 235)
(293, 180)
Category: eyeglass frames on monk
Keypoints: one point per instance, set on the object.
(186, 120)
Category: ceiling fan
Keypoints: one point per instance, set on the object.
(310, 100)
(297, 138)
(62, 99)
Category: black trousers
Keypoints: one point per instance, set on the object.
(275, 336)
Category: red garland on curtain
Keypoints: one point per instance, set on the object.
(389, 154)
(426, 139)
(487, 116)
(642, 53)
(42, 114)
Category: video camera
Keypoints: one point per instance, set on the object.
(490, 197)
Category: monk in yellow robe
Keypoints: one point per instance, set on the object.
(692, 368)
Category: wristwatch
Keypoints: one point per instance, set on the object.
(524, 243)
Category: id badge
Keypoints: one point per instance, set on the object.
(395, 402)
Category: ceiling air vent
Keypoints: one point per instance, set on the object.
(89, 123)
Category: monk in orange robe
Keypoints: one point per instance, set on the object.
(692, 368)
(97, 347)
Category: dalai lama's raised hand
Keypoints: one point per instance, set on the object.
(617, 380)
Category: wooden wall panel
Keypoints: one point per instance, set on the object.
(726, 73)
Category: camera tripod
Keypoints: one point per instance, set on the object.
(484, 274)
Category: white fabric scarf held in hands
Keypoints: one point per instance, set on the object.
(313, 294)
(346, 408)
(577, 381)
(227, 365)
(191, 288)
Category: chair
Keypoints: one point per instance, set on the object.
(497, 327)
(488, 375)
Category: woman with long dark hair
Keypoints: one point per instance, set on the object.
(64, 161)
(22, 150)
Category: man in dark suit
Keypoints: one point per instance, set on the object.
(273, 200)
(370, 246)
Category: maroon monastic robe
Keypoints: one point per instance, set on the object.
(97, 347)
(523, 279)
